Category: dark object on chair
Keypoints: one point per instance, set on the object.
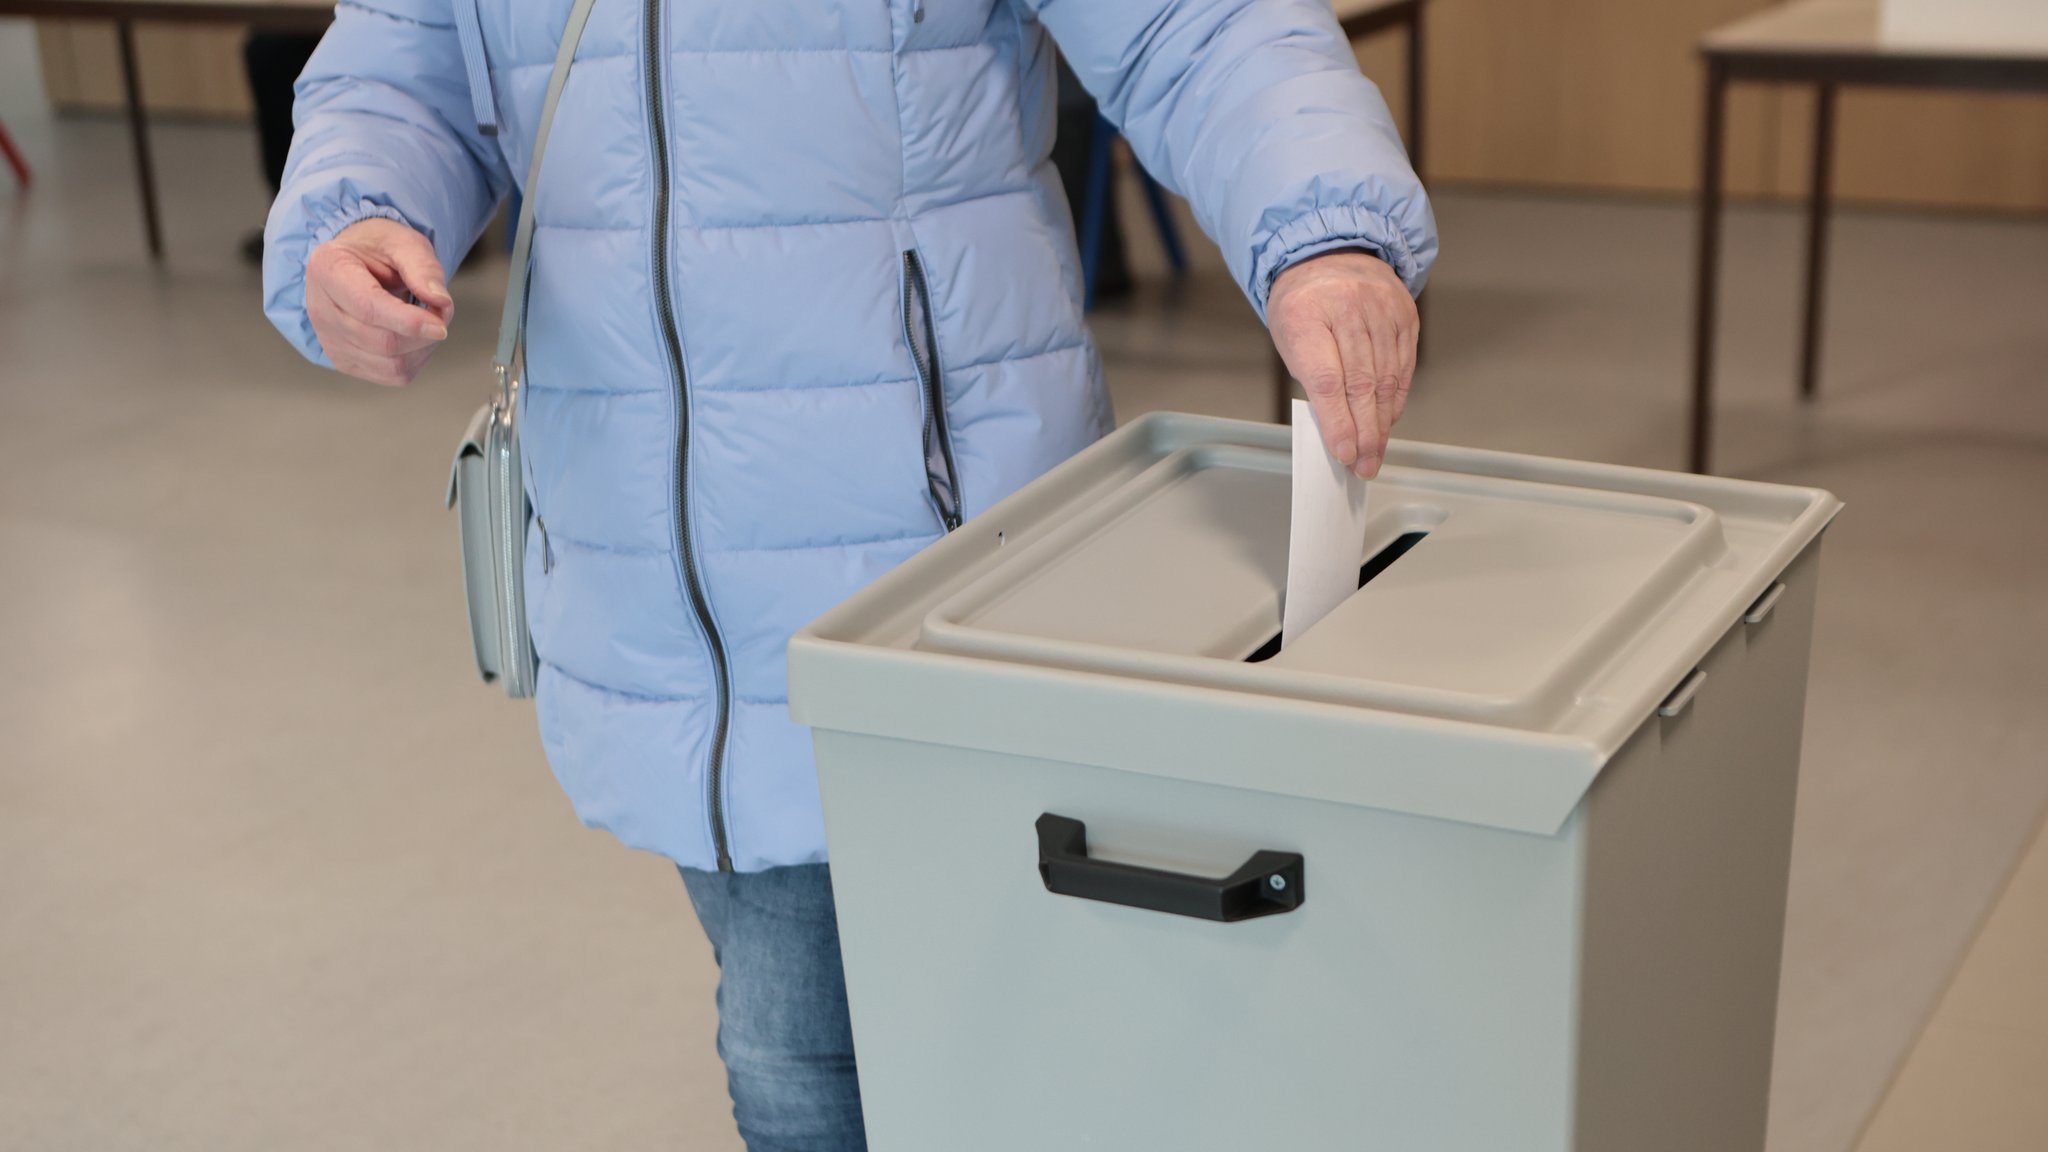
(273, 61)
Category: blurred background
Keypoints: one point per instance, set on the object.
(276, 873)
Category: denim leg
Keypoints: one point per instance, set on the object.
(782, 1025)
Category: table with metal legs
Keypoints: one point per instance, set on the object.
(1827, 44)
(304, 15)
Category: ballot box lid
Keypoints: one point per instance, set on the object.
(1517, 619)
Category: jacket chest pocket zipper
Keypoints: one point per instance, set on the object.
(942, 478)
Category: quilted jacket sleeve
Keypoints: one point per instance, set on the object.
(384, 127)
(1256, 112)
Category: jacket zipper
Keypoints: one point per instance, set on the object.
(692, 585)
(942, 478)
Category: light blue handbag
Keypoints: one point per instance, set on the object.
(486, 485)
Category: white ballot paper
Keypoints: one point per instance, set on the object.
(1326, 542)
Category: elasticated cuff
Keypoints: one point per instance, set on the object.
(288, 248)
(1332, 229)
(323, 226)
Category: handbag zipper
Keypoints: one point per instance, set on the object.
(942, 478)
(692, 585)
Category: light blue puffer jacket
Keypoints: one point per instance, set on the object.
(805, 293)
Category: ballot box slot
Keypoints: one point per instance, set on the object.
(1377, 563)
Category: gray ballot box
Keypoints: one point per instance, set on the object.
(1491, 859)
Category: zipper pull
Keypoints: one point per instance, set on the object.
(547, 547)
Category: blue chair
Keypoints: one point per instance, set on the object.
(1095, 210)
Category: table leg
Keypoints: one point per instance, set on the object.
(1709, 257)
(1818, 205)
(138, 127)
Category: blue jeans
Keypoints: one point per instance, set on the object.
(783, 1031)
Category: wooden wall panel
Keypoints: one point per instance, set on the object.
(187, 70)
(1384, 57)
(1946, 150)
(1605, 95)
(1580, 93)
(1943, 149)
(60, 67)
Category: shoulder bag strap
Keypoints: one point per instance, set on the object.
(512, 328)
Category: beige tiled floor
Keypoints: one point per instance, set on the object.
(1978, 1077)
(274, 873)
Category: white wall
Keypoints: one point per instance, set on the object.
(1967, 23)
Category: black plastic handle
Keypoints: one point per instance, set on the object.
(1268, 884)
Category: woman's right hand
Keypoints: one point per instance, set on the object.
(355, 286)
